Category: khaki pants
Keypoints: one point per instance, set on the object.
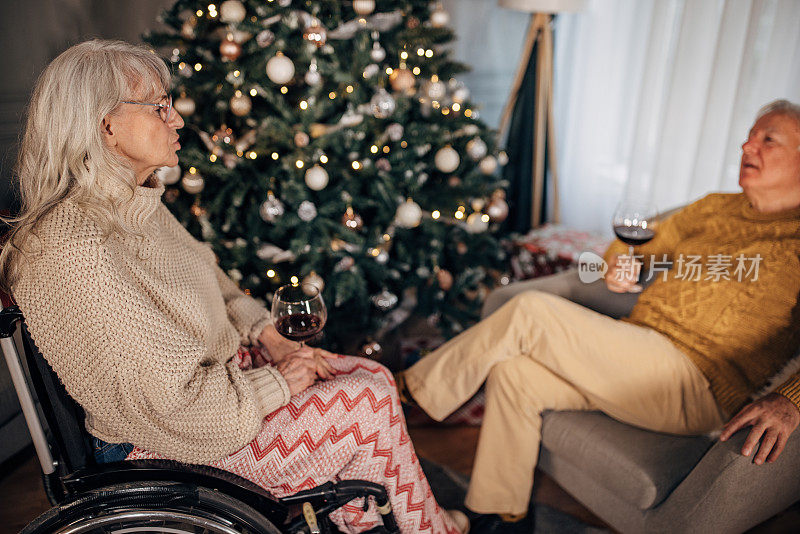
(541, 352)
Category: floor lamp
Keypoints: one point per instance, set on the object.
(539, 37)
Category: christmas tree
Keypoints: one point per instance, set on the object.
(329, 142)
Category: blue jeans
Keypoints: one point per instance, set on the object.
(110, 452)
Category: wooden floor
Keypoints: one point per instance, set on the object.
(22, 497)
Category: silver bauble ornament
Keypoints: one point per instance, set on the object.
(313, 76)
(316, 178)
(476, 148)
(371, 70)
(184, 105)
(315, 280)
(439, 17)
(377, 53)
(272, 208)
(447, 159)
(280, 69)
(232, 11)
(436, 90)
(169, 175)
(408, 214)
(488, 165)
(265, 38)
(192, 183)
(382, 104)
(395, 131)
(385, 300)
(241, 104)
(307, 211)
(363, 7)
(476, 223)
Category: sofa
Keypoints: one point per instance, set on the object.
(641, 481)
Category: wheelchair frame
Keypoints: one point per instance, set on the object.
(72, 478)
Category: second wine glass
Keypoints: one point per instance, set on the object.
(298, 312)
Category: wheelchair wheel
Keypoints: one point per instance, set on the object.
(157, 508)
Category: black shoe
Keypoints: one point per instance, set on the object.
(493, 524)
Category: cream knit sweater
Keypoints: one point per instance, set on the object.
(142, 331)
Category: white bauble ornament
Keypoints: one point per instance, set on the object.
(184, 105)
(477, 148)
(169, 175)
(382, 104)
(502, 158)
(241, 104)
(377, 53)
(476, 223)
(409, 214)
(315, 280)
(312, 76)
(488, 165)
(371, 70)
(280, 69)
(497, 209)
(447, 159)
(232, 11)
(460, 95)
(307, 211)
(316, 178)
(363, 7)
(272, 208)
(439, 17)
(192, 183)
(436, 90)
(395, 131)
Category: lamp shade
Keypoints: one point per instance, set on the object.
(544, 6)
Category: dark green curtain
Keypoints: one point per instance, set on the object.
(519, 147)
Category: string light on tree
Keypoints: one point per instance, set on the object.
(316, 34)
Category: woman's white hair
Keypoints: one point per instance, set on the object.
(63, 154)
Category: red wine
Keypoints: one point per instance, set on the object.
(634, 235)
(299, 326)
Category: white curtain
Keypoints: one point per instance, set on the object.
(653, 98)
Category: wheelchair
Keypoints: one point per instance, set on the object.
(153, 496)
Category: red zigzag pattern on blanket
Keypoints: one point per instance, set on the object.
(391, 470)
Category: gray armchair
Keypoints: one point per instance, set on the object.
(642, 481)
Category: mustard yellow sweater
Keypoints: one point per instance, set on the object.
(141, 329)
(738, 333)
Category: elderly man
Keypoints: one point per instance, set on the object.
(693, 352)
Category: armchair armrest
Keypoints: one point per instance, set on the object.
(595, 296)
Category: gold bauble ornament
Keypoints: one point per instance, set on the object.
(229, 49)
(402, 80)
(316, 35)
(184, 105)
(352, 220)
(498, 207)
(439, 17)
(301, 139)
(192, 183)
(444, 279)
(241, 104)
(363, 7)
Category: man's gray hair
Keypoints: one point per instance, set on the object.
(784, 107)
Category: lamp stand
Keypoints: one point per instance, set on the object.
(540, 35)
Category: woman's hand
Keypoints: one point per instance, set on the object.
(622, 275)
(324, 369)
(278, 346)
(299, 369)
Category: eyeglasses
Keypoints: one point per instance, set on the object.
(165, 110)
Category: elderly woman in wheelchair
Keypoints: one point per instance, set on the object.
(163, 353)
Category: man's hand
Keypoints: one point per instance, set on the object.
(299, 370)
(773, 418)
(623, 275)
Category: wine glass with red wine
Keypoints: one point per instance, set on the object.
(634, 225)
(298, 312)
